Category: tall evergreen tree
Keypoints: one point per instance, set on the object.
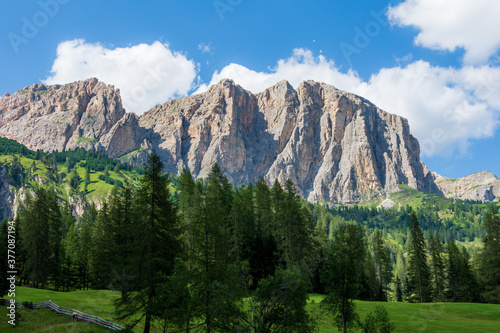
(36, 230)
(103, 243)
(383, 264)
(157, 245)
(214, 270)
(57, 232)
(341, 274)
(418, 270)
(489, 258)
(437, 267)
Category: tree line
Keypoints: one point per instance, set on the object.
(207, 256)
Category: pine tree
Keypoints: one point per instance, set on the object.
(264, 260)
(372, 284)
(187, 209)
(383, 264)
(418, 270)
(214, 269)
(103, 243)
(157, 245)
(56, 235)
(437, 266)
(342, 274)
(489, 258)
(36, 230)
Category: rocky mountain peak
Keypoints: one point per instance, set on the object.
(60, 117)
(484, 186)
(335, 146)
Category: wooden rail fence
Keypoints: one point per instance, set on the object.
(76, 314)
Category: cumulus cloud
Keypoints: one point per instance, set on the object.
(450, 24)
(145, 74)
(446, 107)
(302, 65)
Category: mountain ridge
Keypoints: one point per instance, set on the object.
(334, 145)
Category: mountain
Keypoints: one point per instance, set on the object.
(483, 186)
(335, 146)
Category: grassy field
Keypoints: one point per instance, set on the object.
(429, 317)
(45, 320)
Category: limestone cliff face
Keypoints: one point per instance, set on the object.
(65, 117)
(484, 186)
(335, 146)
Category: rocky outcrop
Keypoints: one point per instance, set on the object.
(62, 117)
(484, 186)
(7, 196)
(335, 146)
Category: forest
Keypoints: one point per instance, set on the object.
(205, 255)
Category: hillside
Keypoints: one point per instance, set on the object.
(22, 170)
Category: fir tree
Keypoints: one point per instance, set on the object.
(157, 245)
(342, 274)
(437, 266)
(489, 258)
(418, 270)
(383, 264)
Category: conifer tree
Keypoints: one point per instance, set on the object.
(341, 274)
(103, 243)
(489, 258)
(157, 245)
(383, 264)
(36, 230)
(418, 271)
(437, 266)
(214, 270)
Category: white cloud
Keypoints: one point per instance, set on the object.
(450, 24)
(205, 48)
(446, 107)
(145, 74)
(301, 66)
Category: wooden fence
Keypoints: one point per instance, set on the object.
(75, 314)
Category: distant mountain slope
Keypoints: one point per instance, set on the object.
(335, 146)
(484, 186)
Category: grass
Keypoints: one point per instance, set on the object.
(45, 320)
(97, 189)
(84, 139)
(428, 317)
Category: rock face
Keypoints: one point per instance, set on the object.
(484, 186)
(335, 146)
(65, 117)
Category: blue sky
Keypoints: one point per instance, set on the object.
(433, 62)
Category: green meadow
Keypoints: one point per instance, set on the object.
(407, 317)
